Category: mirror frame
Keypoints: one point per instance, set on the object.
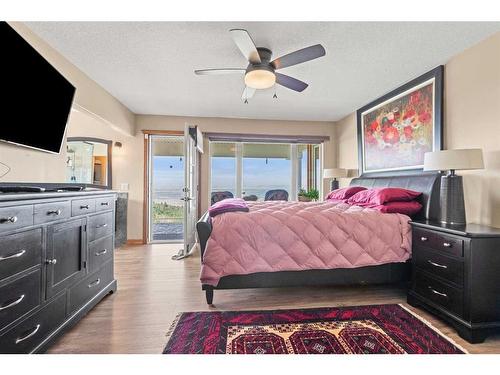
(109, 176)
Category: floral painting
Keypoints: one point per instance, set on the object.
(398, 129)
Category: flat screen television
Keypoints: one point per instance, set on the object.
(35, 99)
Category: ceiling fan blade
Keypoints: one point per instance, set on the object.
(300, 56)
(290, 82)
(205, 72)
(246, 45)
(247, 93)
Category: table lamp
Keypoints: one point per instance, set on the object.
(452, 190)
(334, 173)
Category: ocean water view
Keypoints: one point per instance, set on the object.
(173, 196)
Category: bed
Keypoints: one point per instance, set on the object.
(387, 270)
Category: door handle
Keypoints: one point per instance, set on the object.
(187, 199)
(102, 252)
(101, 226)
(8, 220)
(51, 261)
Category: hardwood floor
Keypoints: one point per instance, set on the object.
(152, 289)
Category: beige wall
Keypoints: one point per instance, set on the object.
(472, 102)
(35, 166)
(223, 125)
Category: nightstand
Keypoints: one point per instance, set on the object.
(456, 276)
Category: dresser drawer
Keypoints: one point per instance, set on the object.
(82, 206)
(82, 292)
(15, 217)
(19, 296)
(447, 244)
(104, 203)
(19, 252)
(100, 226)
(450, 269)
(444, 295)
(28, 334)
(47, 212)
(100, 251)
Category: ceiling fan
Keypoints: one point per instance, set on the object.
(261, 71)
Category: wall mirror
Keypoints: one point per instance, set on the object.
(88, 161)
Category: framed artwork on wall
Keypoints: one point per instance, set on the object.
(396, 130)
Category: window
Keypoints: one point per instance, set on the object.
(250, 169)
(223, 160)
(266, 166)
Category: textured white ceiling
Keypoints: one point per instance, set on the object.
(149, 66)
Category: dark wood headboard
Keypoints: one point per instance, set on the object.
(427, 183)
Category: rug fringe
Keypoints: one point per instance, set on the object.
(431, 326)
(171, 330)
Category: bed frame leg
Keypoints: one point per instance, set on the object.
(209, 293)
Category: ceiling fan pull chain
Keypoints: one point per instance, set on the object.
(275, 96)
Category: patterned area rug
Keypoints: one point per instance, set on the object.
(378, 329)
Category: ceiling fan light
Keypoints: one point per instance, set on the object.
(260, 79)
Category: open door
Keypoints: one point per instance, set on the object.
(190, 190)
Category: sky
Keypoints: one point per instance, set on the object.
(168, 173)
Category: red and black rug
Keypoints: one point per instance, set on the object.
(378, 329)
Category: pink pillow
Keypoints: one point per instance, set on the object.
(407, 208)
(376, 197)
(228, 205)
(344, 193)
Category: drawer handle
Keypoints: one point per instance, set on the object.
(31, 334)
(51, 261)
(84, 207)
(102, 252)
(16, 255)
(13, 303)
(94, 283)
(101, 226)
(104, 203)
(447, 244)
(438, 293)
(423, 239)
(8, 220)
(437, 264)
(56, 212)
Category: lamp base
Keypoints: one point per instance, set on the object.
(335, 184)
(452, 200)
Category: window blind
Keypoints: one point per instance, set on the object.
(236, 137)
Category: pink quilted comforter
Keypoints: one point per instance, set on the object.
(294, 236)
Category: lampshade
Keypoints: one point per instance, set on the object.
(454, 160)
(334, 173)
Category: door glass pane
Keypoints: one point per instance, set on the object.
(223, 160)
(167, 182)
(266, 167)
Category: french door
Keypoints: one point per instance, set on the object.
(172, 191)
(190, 192)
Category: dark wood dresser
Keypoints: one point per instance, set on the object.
(56, 263)
(456, 275)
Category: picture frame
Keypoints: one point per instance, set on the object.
(395, 130)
